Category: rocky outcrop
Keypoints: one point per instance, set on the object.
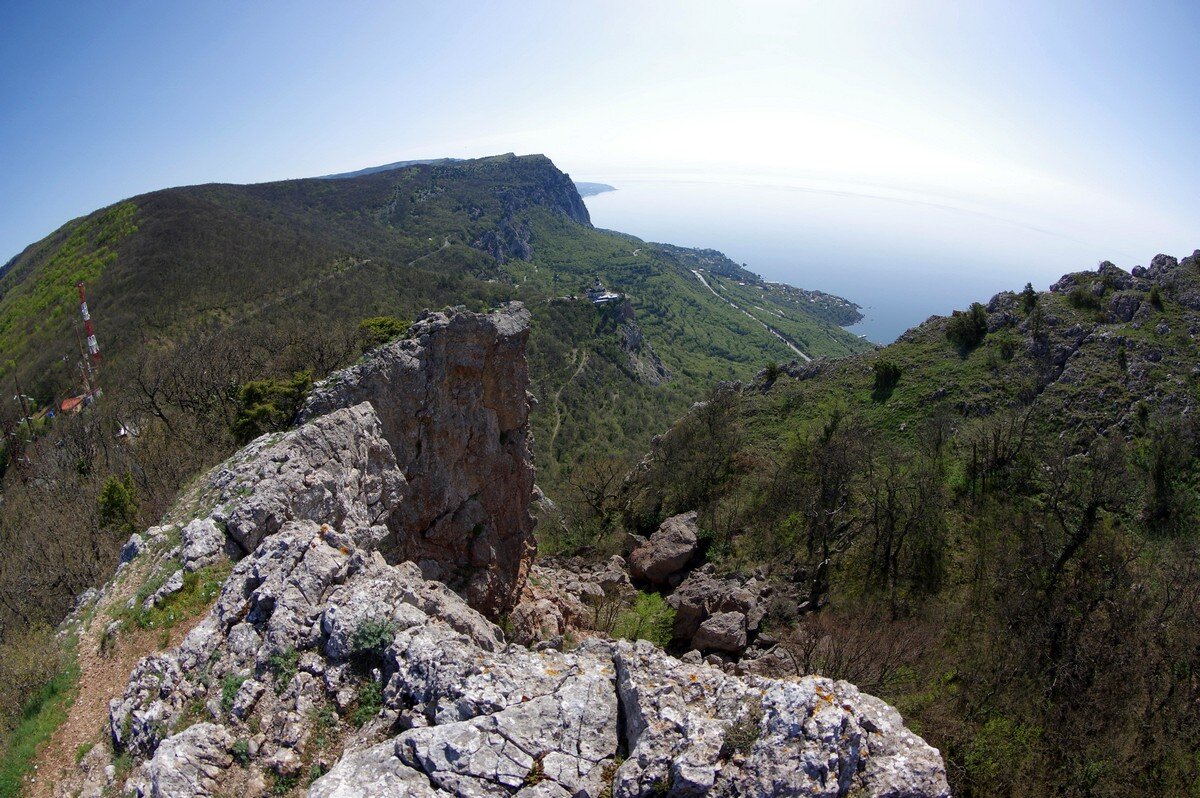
(313, 620)
(332, 659)
(697, 731)
(423, 447)
(453, 406)
(645, 364)
(338, 469)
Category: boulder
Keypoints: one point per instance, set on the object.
(1122, 307)
(703, 595)
(724, 631)
(669, 549)
(132, 548)
(568, 594)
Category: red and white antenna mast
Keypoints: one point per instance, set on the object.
(89, 334)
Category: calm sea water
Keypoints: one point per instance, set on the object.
(901, 259)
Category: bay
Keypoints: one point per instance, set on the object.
(901, 256)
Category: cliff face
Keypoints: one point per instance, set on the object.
(541, 185)
(331, 661)
(453, 406)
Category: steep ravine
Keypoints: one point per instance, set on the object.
(336, 659)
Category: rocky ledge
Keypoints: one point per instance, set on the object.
(338, 658)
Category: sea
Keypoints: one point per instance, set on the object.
(901, 257)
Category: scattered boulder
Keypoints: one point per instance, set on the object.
(724, 631)
(132, 548)
(669, 549)
(566, 594)
(702, 596)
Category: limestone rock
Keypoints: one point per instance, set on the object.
(698, 731)
(132, 548)
(703, 595)
(1123, 306)
(188, 765)
(473, 717)
(453, 404)
(416, 464)
(202, 544)
(669, 549)
(566, 594)
(337, 469)
(725, 631)
(173, 584)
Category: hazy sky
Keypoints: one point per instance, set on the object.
(1076, 118)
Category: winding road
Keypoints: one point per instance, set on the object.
(769, 328)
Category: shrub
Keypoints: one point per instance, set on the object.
(1156, 300)
(370, 701)
(742, 733)
(379, 330)
(241, 752)
(269, 405)
(372, 637)
(650, 618)
(1083, 299)
(284, 665)
(229, 690)
(967, 328)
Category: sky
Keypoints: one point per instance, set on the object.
(1077, 118)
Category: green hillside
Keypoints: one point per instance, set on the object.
(199, 291)
(991, 523)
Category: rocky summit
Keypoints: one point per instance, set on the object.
(350, 647)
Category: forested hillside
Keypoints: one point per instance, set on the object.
(216, 306)
(991, 523)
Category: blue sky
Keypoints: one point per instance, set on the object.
(1077, 117)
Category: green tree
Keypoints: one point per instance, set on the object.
(117, 505)
(650, 618)
(967, 328)
(1029, 299)
(887, 377)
